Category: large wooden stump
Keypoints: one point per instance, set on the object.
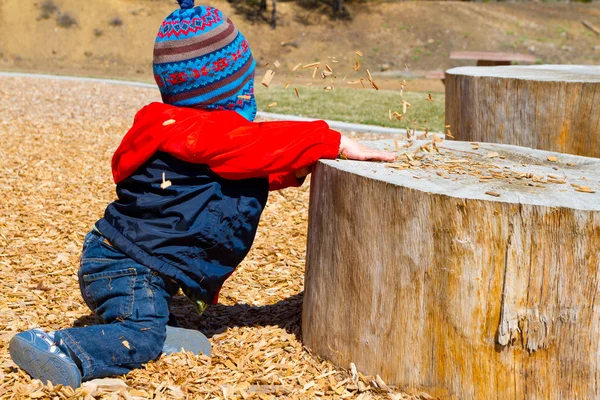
(548, 107)
(473, 273)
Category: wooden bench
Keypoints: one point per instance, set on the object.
(436, 75)
(488, 59)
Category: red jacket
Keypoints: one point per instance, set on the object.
(230, 145)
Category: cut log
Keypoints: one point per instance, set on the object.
(471, 272)
(548, 107)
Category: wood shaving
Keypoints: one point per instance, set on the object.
(315, 71)
(266, 81)
(165, 184)
(311, 65)
(492, 193)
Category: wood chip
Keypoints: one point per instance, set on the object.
(584, 189)
(311, 65)
(273, 104)
(169, 122)
(297, 94)
(315, 71)
(552, 158)
(244, 97)
(276, 64)
(297, 66)
(492, 193)
(405, 105)
(266, 81)
(358, 53)
(165, 184)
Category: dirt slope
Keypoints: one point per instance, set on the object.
(392, 35)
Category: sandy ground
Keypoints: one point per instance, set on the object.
(57, 141)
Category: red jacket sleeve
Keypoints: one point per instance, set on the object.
(284, 180)
(237, 149)
(230, 145)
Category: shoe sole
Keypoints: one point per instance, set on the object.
(43, 365)
(188, 339)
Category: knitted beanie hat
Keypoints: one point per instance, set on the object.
(202, 61)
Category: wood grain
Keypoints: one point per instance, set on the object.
(549, 107)
(417, 275)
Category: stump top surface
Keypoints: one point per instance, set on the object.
(551, 73)
(486, 171)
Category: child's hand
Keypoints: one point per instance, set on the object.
(356, 151)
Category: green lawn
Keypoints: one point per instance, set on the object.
(364, 106)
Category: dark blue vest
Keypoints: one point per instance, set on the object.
(196, 231)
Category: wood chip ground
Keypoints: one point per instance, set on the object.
(55, 181)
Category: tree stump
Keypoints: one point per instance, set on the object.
(548, 107)
(472, 272)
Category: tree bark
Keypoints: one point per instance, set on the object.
(549, 107)
(472, 273)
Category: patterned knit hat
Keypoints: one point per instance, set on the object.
(202, 61)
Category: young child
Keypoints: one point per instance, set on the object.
(193, 174)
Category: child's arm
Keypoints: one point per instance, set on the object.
(274, 149)
(251, 150)
(348, 148)
(231, 146)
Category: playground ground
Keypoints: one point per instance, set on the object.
(55, 180)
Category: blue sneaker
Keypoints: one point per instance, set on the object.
(36, 353)
(186, 339)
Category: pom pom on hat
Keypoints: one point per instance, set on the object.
(186, 3)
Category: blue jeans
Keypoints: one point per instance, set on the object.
(133, 302)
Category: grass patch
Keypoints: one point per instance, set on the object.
(363, 106)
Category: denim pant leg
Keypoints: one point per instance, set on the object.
(131, 299)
